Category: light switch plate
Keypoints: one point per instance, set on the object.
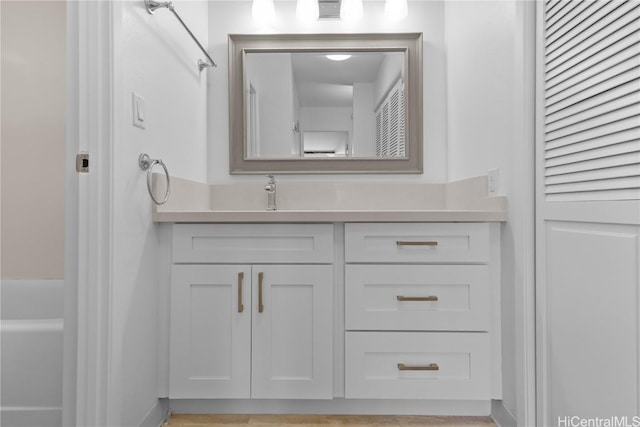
(138, 111)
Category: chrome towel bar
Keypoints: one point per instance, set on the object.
(153, 5)
(146, 163)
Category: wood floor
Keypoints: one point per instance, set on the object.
(180, 420)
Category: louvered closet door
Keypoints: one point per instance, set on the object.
(591, 101)
(390, 123)
(588, 209)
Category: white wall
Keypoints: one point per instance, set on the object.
(364, 121)
(480, 59)
(155, 58)
(234, 16)
(390, 70)
(272, 78)
(33, 138)
(489, 127)
(326, 118)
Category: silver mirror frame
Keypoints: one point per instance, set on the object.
(241, 44)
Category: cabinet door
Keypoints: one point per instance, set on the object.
(292, 332)
(210, 331)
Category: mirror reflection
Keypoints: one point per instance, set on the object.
(316, 104)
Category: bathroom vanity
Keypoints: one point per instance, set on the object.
(299, 312)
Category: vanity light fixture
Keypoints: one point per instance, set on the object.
(307, 10)
(395, 10)
(263, 11)
(351, 10)
(338, 57)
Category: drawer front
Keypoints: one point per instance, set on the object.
(417, 297)
(413, 242)
(417, 365)
(253, 243)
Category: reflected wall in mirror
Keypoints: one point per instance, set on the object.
(329, 103)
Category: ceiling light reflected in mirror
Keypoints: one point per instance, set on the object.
(338, 57)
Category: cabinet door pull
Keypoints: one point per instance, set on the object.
(240, 305)
(260, 279)
(429, 298)
(407, 243)
(429, 367)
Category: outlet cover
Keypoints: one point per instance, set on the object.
(494, 181)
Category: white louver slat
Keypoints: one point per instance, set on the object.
(393, 124)
(594, 26)
(594, 164)
(385, 130)
(592, 100)
(597, 41)
(555, 25)
(378, 135)
(401, 122)
(630, 147)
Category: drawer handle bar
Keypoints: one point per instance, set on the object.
(240, 305)
(407, 243)
(260, 305)
(429, 298)
(429, 367)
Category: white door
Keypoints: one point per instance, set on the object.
(90, 118)
(210, 331)
(292, 332)
(588, 211)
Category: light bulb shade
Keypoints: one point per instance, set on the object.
(263, 11)
(351, 10)
(307, 10)
(396, 10)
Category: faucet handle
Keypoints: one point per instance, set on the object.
(272, 179)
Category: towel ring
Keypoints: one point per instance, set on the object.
(146, 163)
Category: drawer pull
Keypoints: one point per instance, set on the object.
(406, 243)
(429, 367)
(429, 298)
(260, 279)
(240, 305)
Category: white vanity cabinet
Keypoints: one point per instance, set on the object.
(251, 311)
(418, 311)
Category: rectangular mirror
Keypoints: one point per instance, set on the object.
(329, 103)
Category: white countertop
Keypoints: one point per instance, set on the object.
(462, 201)
(331, 216)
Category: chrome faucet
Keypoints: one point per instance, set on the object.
(270, 188)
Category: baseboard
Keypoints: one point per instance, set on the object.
(157, 415)
(335, 406)
(501, 415)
